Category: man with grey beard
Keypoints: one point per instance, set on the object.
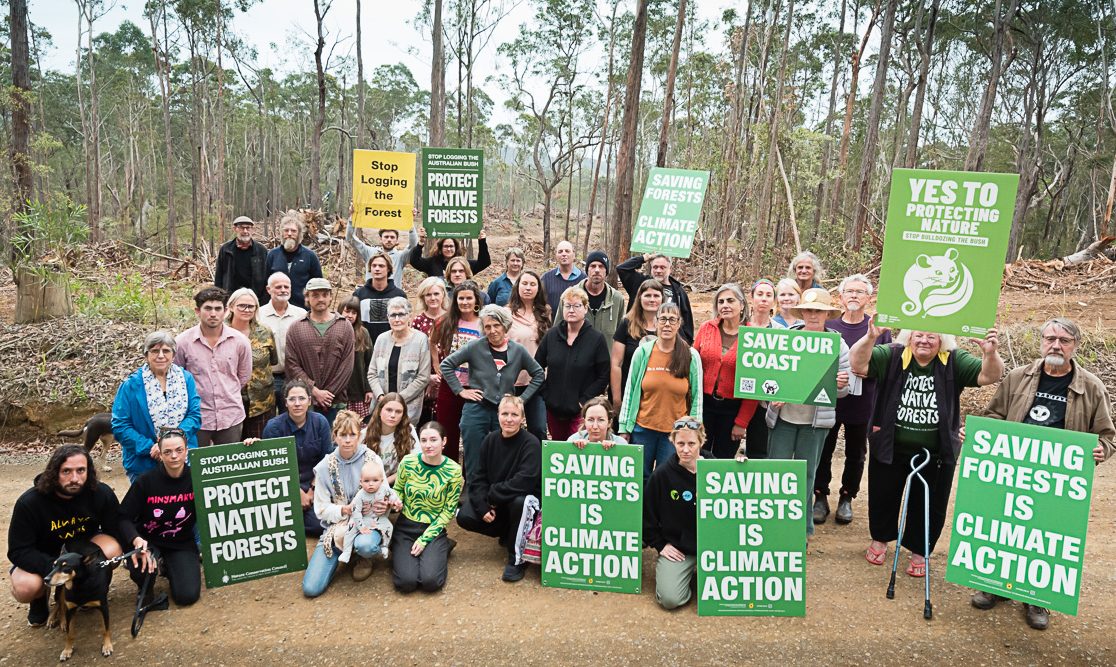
(1053, 391)
(294, 259)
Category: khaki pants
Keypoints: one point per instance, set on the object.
(672, 581)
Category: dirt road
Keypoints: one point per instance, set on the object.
(478, 619)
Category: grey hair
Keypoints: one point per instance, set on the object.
(738, 293)
(292, 216)
(498, 313)
(159, 338)
(949, 341)
(856, 278)
(399, 302)
(1065, 323)
(515, 252)
(237, 296)
(819, 272)
(275, 276)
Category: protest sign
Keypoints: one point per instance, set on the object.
(671, 209)
(592, 517)
(452, 192)
(249, 510)
(945, 245)
(1022, 512)
(788, 365)
(383, 189)
(751, 537)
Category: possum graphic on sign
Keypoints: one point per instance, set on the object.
(937, 285)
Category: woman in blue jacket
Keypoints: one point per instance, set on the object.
(159, 395)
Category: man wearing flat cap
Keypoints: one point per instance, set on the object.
(242, 262)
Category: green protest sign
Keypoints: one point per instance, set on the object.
(452, 192)
(592, 517)
(751, 538)
(1022, 512)
(249, 510)
(944, 249)
(671, 209)
(787, 365)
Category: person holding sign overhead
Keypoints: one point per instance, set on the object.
(509, 468)
(664, 383)
(918, 406)
(798, 431)
(389, 244)
(673, 290)
(670, 514)
(1056, 392)
(445, 250)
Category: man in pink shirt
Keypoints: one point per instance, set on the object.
(220, 359)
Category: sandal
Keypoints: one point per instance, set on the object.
(875, 557)
(917, 570)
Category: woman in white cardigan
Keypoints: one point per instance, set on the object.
(401, 359)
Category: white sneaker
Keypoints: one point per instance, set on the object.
(385, 552)
(344, 557)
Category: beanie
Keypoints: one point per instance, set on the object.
(597, 256)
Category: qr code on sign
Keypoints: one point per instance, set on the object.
(747, 385)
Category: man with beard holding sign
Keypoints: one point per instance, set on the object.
(1056, 392)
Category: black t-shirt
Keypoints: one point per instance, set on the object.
(630, 345)
(595, 302)
(1049, 406)
(501, 358)
(242, 266)
(393, 369)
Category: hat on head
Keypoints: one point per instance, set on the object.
(816, 298)
(318, 283)
(597, 256)
(244, 220)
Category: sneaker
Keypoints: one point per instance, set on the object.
(982, 600)
(385, 553)
(844, 513)
(821, 509)
(513, 572)
(38, 612)
(1037, 617)
(362, 569)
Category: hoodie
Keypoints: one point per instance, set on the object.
(670, 508)
(348, 473)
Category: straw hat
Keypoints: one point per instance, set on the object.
(815, 298)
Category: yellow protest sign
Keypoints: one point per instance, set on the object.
(383, 189)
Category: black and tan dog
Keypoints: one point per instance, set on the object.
(97, 428)
(80, 579)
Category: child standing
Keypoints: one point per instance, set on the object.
(372, 489)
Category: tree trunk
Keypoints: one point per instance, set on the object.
(162, 70)
(20, 153)
(319, 119)
(438, 82)
(604, 129)
(625, 159)
(764, 211)
(95, 130)
(41, 296)
(978, 140)
(219, 171)
(868, 156)
(827, 152)
(668, 95)
(925, 50)
(360, 82)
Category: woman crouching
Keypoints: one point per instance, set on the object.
(670, 515)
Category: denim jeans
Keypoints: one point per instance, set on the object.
(801, 442)
(320, 569)
(478, 419)
(657, 448)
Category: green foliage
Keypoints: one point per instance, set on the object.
(46, 231)
(124, 300)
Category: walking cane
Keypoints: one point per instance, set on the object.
(904, 508)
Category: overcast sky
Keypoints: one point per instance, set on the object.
(273, 26)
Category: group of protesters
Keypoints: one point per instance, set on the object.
(433, 406)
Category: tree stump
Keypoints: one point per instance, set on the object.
(41, 296)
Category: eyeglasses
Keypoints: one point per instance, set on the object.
(691, 424)
(245, 307)
(397, 316)
(856, 292)
(161, 352)
(575, 305)
(669, 319)
(1050, 340)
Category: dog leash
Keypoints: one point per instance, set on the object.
(122, 557)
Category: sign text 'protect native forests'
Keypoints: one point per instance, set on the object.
(383, 189)
(944, 250)
(751, 530)
(592, 517)
(1022, 512)
(249, 510)
(787, 365)
(670, 212)
(452, 192)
